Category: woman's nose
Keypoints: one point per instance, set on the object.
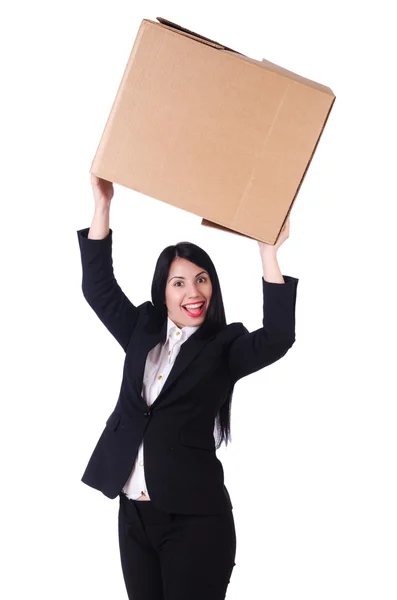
(193, 292)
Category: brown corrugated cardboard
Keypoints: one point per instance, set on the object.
(211, 131)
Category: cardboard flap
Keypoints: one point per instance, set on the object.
(193, 34)
(208, 223)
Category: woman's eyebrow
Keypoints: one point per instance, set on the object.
(180, 277)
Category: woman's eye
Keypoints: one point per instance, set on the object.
(203, 278)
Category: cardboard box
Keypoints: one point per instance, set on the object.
(211, 131)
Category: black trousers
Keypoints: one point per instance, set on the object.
(174, 556)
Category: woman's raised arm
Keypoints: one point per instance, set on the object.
(103, 193)
(99, 284)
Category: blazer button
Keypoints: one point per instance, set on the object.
(147, 414)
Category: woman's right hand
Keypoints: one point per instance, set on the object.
(103, 192)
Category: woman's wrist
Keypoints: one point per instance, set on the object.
(100, 224)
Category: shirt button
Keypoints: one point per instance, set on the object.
(160, 377)
(169, 352)
(141, 463)
(178, 333)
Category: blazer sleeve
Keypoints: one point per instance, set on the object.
(250, 352)
(101, 289)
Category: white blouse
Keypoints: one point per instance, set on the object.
(159, 363)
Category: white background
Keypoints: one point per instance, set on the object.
(312, 466)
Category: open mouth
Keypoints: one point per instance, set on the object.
(195, 312)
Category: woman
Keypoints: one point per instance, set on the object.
(157, 451)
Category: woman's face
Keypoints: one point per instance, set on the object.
(187, 283)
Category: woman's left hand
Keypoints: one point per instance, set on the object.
(284, 234)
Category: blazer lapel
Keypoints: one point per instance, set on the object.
(189, 350)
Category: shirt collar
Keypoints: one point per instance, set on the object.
(176, 333)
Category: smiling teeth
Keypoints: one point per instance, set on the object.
(194, 305)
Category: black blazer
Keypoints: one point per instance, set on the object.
(182, 471)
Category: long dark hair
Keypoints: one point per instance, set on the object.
(215, 319)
